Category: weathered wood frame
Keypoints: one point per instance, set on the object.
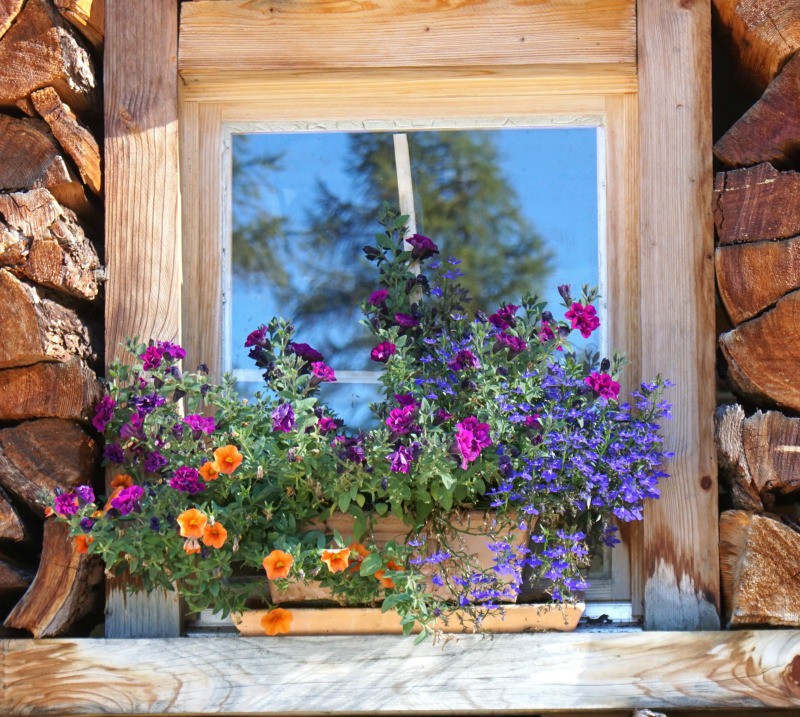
(243, 60)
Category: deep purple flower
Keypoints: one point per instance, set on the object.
(155, 462)
(283, 418)
(323, 372)
(103, 413)
(145, 405)
(383, 352)
(177, 430)
(603, 385)
(583, 318)
(406, 320)
(514, 344)
(203, 424)
(422, 247)
(151, 358)
(564, 292)
(378, 298)
(505, 317)
(113, 452)
(66, 504)
(85, 493)
(327, 424)
(401, 419)
(173, 352)
(463, 359)
(405, 399)
(256, 338)
(128, 500)
(186, 480)
(441, 416)
(471, 438)
(86, 524)
(155, 524)
(400, 460)
(533, 421)
(304, 351)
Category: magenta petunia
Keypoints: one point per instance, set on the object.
(406, 320)
(603, 385)
(127, 501)
(151, 358)
(463, 359)
(186, 480)
(383, 352)
(200, 423)
(505, 317)
(327, 424)
(103, 413)
(471, 437)
(66, 504)
(256, 338)
(400, 420)
(583, 318)
(323, 372)
(378, 298)
(405, 399)
(173, 352)
(422, 247)
(514, 344)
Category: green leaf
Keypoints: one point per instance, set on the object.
(381, 508)
(371, 564)
(344, 502)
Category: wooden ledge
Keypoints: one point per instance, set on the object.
(379, 675)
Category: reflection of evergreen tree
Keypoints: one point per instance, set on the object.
(463, 201)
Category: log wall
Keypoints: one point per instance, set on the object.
(51, 283)
(757, 218)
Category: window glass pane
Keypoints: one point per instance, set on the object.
(518, 207)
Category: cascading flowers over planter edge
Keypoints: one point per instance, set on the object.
(218, 495)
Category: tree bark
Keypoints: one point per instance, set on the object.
(762, 36)
(48, 390)
(14, 580)
(763, 355)
(9, 9)
(733, 467)
(50, 331)
(64, 590)
(756, 204)
(12, 528)
(87, 16)
(41, 50)
(760, 568)
(770, 130)
(76, 139)
(43, 241)
(44, 455)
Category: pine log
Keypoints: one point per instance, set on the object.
(76, 139)
(9, 9)
(12, 528)
(13, 577)
(48, 390)
(763, 34)
(771, 443)
(51, 331)
(763, 355)
(31, 159)
(756, 204)
(64, 590)
(43, 455)
(87, 16)
(41, 50)
(753, 277)
(770, 130)
(760, 569)
(43, 241)
(733, 468)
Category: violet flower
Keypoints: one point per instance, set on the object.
(283, 418)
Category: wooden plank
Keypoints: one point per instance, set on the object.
(469, 675)
(222, 35)
(143, 292)
(677, 307)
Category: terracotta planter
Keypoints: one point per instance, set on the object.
(390, 528)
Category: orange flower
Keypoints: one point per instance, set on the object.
(192, 522)
(387, 582)
(277, 564)
(122, 481)
(361, 553)
(48, 511)
(214, 536)
(277, 621)
(209, 471)
(227, 459)
(191, 546)
(336, 560)
(82, 543)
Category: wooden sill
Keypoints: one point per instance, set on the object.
(388, 675)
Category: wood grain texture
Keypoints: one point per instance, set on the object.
(12, 527)
(771, 445)
(763, 355)
(733, 467)
(87, 16)
(382, 675)
(9, 9)
(225, 35)
(143, 246)
(681, 560)
(770, 130)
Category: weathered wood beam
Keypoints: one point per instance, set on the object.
(143, 240)
(389, 675)
(681, 562)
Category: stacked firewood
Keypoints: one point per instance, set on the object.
(51, 317)
(757, 218)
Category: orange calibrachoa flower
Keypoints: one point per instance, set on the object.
(387, 582)
(192, 523)
(209, 471)
(361, 553)
(277, 621)
(336, 560)
(227, 459)
(82, 543)
(214, 536)
(277, 564)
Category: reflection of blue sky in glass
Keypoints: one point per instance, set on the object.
(553, 170)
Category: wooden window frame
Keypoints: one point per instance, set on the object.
(594, 50)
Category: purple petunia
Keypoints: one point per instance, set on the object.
(405, 399)
(103, 413)
(514, 344)
(400, 460)
(256, 338)
(155, 462)
(145, 405)
(200, 423)
(85, 493)
(128, 500)
(173, 352)
(327, 424)
(422, 247)
(66, 504)
(283, 418)
(406, 320)
(113, 453)
(186, 480)
(304, 351)
(151, 358)
(383, 352)
(323, 372)
(505, 317)
(463, 359)
(471, 438)
(378, 298)
(400, 420)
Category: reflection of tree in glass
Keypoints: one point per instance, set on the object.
(464, 203)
